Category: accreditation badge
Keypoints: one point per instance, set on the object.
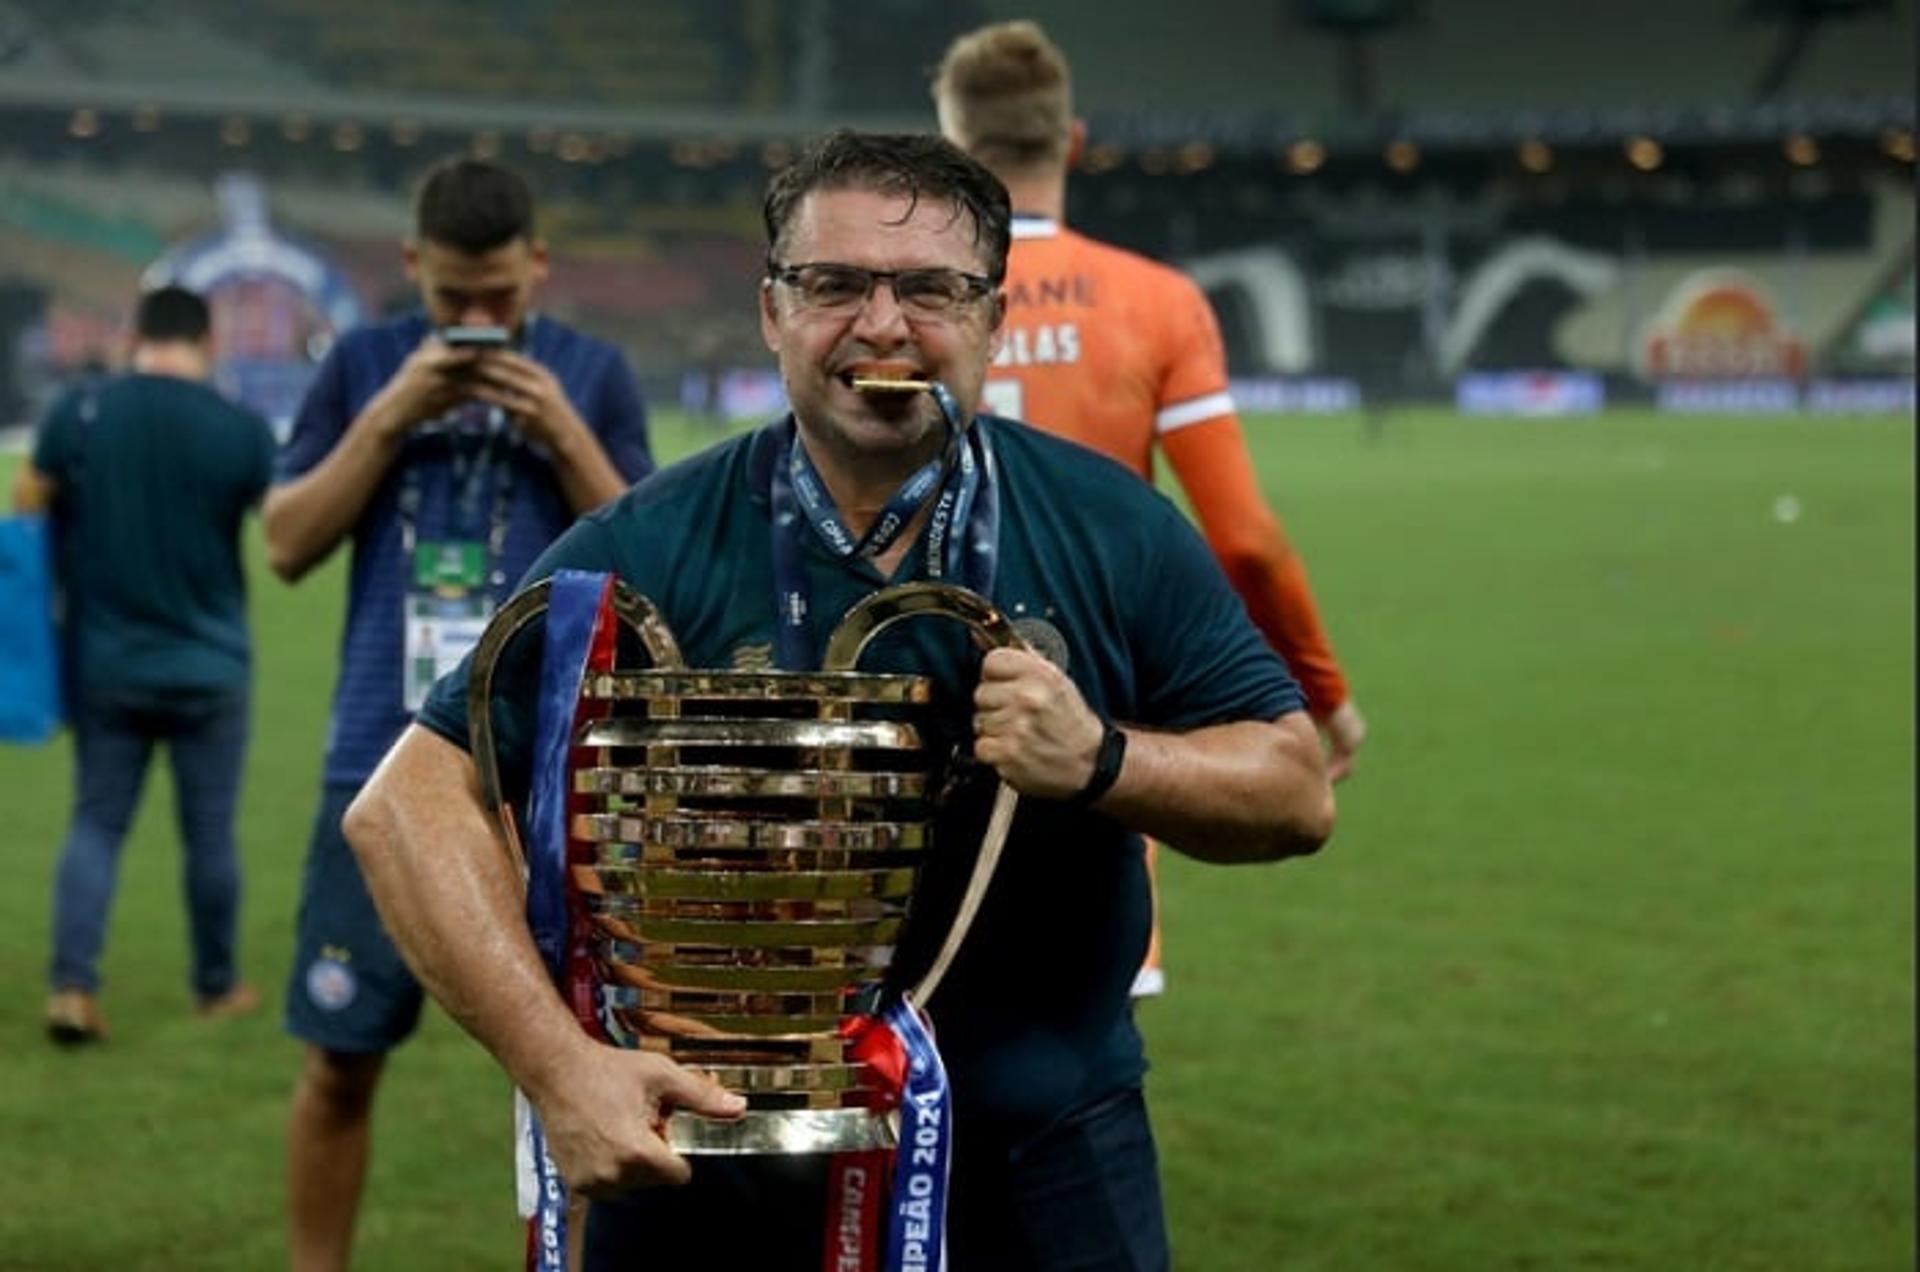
(447, 609)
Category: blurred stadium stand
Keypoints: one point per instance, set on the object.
(648, 51)
(1390, 193)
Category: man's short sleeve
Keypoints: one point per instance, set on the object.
(623, 422)
(1201, 661)
(261, 448)
(321, 420)
(1193, 382)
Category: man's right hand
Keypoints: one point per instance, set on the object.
(434, 379)
(605, 1120)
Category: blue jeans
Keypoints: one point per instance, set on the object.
(206, 738)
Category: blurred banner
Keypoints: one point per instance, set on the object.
(1535, 393)
(1406, 301)
(1880, 338)
(277, 303)
(1720, 325)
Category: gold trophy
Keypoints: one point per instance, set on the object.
(745, 845)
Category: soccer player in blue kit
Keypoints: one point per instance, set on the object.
(451, 445)
(1167, 715)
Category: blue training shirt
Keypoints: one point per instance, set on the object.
(1033, 1018)
(461, 473)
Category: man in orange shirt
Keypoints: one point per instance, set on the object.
(1123, 354)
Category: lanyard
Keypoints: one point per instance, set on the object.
(963, 531)
(472, 468)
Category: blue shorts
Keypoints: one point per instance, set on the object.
(1084, 1194)
(349, 989)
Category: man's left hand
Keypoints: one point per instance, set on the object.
(1346, 732)
(1032, 726)
(528, 392)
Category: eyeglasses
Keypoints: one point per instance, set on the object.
(835, 289)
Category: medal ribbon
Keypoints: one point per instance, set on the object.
(963, 530)
(579, 635)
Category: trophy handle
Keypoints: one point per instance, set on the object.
(990, 627)
(527, 606)
(890, 605)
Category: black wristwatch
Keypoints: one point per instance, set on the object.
(1106, 767)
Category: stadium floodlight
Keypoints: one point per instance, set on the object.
(1195, 156)
(1645, 153)
(1305, 157)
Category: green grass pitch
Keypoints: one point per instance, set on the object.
(1609, 965)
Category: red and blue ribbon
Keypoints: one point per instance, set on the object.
(578, 631)
(917, 1213)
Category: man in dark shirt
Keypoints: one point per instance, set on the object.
(147, 476)
(885, 258)
(451, 445)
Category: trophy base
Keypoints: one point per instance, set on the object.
(782, 1131)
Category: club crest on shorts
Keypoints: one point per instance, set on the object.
(331, 984)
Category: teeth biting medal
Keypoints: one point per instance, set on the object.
(880, 384)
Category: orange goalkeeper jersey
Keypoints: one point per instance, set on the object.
(1123, 354)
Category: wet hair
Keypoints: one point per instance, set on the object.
(172, 313)
(1005, 94)
(472, 206)
(915, 166)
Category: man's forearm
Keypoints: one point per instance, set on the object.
(586, 475)
(448, 894)
(1249, 791)
(305, 519)
(1251, 545)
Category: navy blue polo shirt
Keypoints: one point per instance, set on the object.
(463, 472)
(1033, 1018)
(155, 475)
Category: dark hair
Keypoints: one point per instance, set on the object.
(172, 313)
(915, 165)
(472, 206)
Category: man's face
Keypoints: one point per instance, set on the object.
(487, 289)
(822, 349)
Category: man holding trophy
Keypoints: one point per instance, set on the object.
(1127, 694)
